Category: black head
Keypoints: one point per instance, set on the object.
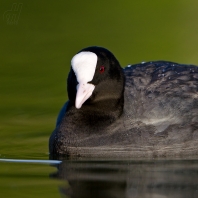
(107, 79)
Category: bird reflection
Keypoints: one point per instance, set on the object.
(128, 179)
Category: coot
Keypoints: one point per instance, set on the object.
(144, 110)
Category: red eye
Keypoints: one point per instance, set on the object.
(102, 69)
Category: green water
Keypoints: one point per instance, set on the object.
(35, 54)
(28, 180)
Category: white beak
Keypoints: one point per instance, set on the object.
(84, 91)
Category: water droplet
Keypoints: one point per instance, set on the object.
(128, 65)
(142, 62)
(173, 65)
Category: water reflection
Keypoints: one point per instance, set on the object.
(129, 179)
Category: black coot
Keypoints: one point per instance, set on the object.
(144, 110)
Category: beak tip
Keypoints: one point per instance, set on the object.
(84, 91)
(78, 106)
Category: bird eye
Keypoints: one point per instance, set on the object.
(102, 69)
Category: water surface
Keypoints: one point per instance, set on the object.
(101, 178)
(129, 178)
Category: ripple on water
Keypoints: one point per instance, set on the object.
(50, 162)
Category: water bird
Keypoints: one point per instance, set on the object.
(148, 109)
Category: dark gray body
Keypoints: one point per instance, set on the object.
(159, 119)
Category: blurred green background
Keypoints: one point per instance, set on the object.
(35, 55)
